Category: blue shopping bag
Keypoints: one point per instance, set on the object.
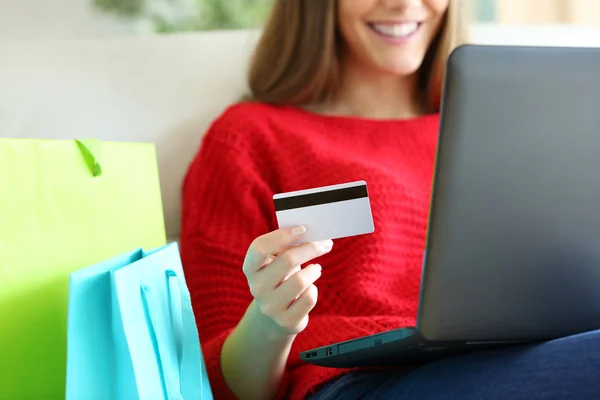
(132, 332)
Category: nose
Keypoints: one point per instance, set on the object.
(402, 5)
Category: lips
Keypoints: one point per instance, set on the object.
(396, 30)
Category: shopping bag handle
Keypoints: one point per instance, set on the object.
(188, 385)
(166, 373)
(190, 353)
(90, 150)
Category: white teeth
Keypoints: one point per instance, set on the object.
(397, 30)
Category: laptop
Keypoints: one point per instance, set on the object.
(513, 243)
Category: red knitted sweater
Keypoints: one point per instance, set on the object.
(369, 283)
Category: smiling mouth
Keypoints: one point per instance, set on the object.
(396, 31)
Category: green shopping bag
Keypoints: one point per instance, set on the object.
(64, 205)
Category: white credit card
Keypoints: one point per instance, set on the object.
(329, 212)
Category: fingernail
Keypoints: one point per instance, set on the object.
(326, 245)
(299, 231)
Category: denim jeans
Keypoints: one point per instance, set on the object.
(567, 368)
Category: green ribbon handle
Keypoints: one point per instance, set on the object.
(90, 149)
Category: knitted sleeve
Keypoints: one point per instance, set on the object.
(225, 206)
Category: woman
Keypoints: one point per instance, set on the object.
(341, 90)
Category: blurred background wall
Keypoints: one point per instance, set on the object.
(65, 19)
(57, 19)
(576, 12)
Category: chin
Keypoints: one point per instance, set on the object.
(404, 67)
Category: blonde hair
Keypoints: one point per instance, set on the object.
(297, 59)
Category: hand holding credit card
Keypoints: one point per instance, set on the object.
(329, 212)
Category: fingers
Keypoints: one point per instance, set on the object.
(265, 247)
(284, 291)
(291, 302)
(271, 276)
(291, 290)
(297, 314)
(297, 268)
(281, 267)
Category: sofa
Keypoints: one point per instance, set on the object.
(164, 89)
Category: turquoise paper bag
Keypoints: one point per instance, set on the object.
(132, 333)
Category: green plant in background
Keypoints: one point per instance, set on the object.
(190, 15)
(124, 8)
